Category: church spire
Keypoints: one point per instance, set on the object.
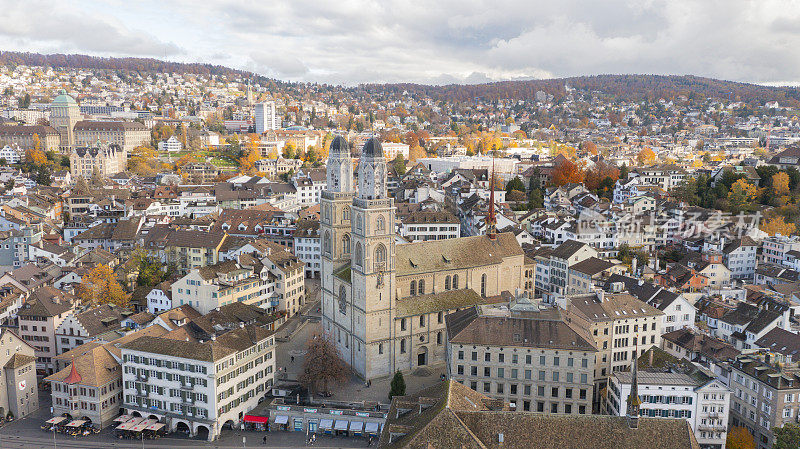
(634, 401)
(491, 219)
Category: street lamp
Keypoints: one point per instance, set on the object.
(54, 436)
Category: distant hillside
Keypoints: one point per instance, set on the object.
(133, 64)
(625, 87)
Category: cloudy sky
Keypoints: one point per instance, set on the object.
(426, 41)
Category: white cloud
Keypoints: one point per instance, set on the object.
(37, 24)
(355, 41)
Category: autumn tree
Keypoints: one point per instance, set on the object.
(100, 286)
(646, 156)
(37, 143)
(35, 157)
(780, 184)
(740, 438)
(322, 365)
(590, 147)
(516, 196)
(566, 172)
(144, 161)
(741, 196)
(776, 225)
(251, 154)
(416, 152)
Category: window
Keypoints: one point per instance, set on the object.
(403, 346)
(402, 324)
(422, 321)
(380, 225)
(413, 288)
(346, 244)
(327, 242)
(483, 285)
(359, 255)
(455, 282)
(421, 287)
(380, 257)
(447, 283)
(342, 300)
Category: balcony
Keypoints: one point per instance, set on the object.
(187, 386)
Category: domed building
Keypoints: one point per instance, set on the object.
(64, 114)
(383, 305)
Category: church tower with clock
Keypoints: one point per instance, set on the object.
(357, 231)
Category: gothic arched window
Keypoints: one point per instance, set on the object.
(360, 222)
(346, 213)
(380, 226)
(342, 300)
(346, 244)
(447, 282)
(455, 282)
(483, 285)
(421, 287)
(359, 255)
(413, 288)
(380, 257)
(326, 242)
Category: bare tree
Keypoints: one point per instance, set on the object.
(322, 365)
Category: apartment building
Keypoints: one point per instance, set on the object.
(289, 274)
(234, 280)
(187, 249)
(426, 225)
(775, 249)
(198, 385)
(702, 400)
(535, 361)
(307, 247)
(763, 398)
(42, 313)
(621, 327)
(559, 261)
(740, 256)
(79, 327)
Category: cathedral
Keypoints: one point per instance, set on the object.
(384, 303)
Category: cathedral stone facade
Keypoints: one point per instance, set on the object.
(383, 304)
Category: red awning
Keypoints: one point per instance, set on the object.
(256, 419)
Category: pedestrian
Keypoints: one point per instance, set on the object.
(265, 440)
(292, 359)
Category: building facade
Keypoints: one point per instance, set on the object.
(199, 386)
(538, 363)
(383, 305)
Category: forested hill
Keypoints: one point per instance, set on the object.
(623, 87)
(10, 58)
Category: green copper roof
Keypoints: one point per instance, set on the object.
(63, 98)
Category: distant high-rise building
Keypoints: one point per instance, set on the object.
(266, 117)
(64, 114)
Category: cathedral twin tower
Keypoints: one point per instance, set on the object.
(358, 248)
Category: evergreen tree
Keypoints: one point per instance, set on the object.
(398, 385)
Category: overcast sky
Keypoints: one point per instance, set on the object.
(426, 41)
